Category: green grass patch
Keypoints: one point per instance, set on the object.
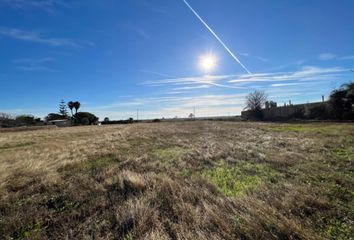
(101, 162)
(323, 129)
(337, 229)
(345, 153)
(298, 128)
(61, 203)
(170, 155)
(241, 178)
(30, 231)
(184, 173)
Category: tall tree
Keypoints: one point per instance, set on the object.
(62, 108)
(71, 106)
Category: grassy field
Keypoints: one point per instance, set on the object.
(187, 180)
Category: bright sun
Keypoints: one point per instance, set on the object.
(208, 62)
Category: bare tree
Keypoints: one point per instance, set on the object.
(256, 100)
(6, 120)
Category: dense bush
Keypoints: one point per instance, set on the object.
(319, 112)
(85, 118)
(298, 114)
(26, 119)
(256, 114)
(341, 102)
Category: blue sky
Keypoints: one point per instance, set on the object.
(116, 56)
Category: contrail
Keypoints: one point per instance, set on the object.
(216, 36)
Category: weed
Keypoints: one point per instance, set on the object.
(29, 231)
(170, 155)
(241, 178)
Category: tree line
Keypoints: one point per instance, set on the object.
(75, 118)
(338, 107)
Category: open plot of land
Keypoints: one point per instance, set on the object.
(187, 180)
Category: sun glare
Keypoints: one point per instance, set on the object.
(208, 62)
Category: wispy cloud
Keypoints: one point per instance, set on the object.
(35, 37)
(326, 56)
(254, 56)
(155, 73)
(152, 7)
(211, 80)
(30, 64)
(304, 74)
(47, 5)
(217, 37)
(348, 57)
(136, 29)
(244, 81)
(192, 87)
(286, 84)
(331, 56)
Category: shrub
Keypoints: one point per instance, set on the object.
(318, 112)
(85, 118)
(298, 114)
(256, 114)
(25, 119)
(85, 121)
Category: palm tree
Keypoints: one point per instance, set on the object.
(77, 106)
(71, 106)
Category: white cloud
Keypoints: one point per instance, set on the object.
(212, 80)
(255, 57)
(136, 29)
(30, 64)
(286, 84)
(47, 5)
(32, 36)
(192, 87)
(307, 73)
(326, 56)
(152, 7)
(348, 57)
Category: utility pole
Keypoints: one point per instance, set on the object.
(137, 114)
(194, 112)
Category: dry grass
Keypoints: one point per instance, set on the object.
(191, 180)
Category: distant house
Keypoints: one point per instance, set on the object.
(60, 123)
